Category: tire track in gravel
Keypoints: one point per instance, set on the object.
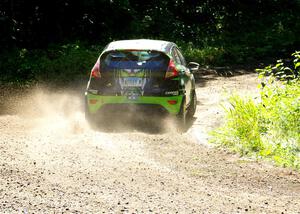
(52, 162)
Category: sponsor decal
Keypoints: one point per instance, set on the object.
(171, 93)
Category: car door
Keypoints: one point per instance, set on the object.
(186, 74)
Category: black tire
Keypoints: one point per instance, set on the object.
(193, 105)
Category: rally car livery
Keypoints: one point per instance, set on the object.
(151, 74)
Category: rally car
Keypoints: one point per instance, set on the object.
(150, 75)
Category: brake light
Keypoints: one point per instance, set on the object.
(172, 71)
(172, 102)
(95, 73)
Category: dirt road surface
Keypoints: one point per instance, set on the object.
(52, 162)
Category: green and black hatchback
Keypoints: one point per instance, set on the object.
(147, 74)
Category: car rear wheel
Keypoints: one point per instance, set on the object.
(193, 105)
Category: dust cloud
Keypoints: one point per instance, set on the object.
(51, 111)
(62, 112)
(52, 123)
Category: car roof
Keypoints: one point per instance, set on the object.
(140, 44)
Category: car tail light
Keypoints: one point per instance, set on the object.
(172, 71)
(95, 73)
(172, 102)
(93, 101)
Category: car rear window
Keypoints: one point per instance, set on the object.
(132, 59)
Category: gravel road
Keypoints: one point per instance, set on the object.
(52, 162)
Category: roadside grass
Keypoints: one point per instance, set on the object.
(270, 128)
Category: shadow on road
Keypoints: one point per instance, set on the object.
(205, 75)
(148, 124)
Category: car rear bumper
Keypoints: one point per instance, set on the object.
(171, 104)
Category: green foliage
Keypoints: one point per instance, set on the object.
(63, 63)
(68, 62)
(241, 131)
(205, 56)
(56, 64)
(210, 32)
(244, 29)
(281, 71)
(269, 128)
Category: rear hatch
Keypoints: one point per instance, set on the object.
(133, 73)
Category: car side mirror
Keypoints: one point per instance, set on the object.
(193, 66)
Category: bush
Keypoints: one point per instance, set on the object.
(205, 56)
(282, 72)
(241, 132)
(57, 64)
(270, 128)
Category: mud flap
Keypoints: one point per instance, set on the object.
(181, 119)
